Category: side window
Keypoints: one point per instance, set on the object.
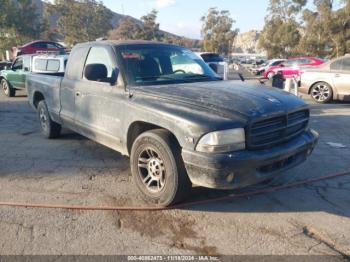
(290, 62)
(39, 45)
(337, 65)
(51, 46)
(346, 64)
(304, 61)
(100, 55)
(26, 63)
(18, 64)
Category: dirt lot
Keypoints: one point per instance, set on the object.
(313, 219)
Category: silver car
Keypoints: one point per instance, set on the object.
(330, 81)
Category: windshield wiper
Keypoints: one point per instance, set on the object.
(156, 77)
(197, 76)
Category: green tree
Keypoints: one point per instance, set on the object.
(19, 23)
(217, 31)
(127, 29)
(150, 27)
(81, 21)
(326, 31)
(281, 34)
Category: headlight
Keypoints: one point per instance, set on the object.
(222, 141)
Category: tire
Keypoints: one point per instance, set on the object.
(321, 93)
(50, 129)
(270, 75)
(158, 169)
(7, 88)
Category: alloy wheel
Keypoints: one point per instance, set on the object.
(151, 170)
(321, 92)
(5, 87)
(43, 118)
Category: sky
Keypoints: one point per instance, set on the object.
(182, 17)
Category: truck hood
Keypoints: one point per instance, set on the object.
(230, 99)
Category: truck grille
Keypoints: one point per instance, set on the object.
(266, 133)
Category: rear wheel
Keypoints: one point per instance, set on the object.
(158, 169)
(321, 92)
(8, 90)
(49, 128)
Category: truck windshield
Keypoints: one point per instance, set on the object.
(163, 64)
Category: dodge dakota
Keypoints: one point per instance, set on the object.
(180, 124)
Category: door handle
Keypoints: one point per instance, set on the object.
(337, 75)
(77, 94)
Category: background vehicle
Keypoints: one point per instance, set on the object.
(261, 69)
(14, 78)
(41, 46)
(292, 66)
(4, 65)
(179, 127)
(329, 81)
(215, 61)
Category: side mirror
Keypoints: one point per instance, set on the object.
(26, 69)
(282, 65)
(99, 73)
(96, 72)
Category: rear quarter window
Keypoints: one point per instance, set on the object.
(346, 64)
(337, 65)
(53, 65)
(40, 64)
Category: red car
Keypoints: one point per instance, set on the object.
(292, 66)
(38, 46)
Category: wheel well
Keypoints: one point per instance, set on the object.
(37, 98)
(137, 128)
(309, 92)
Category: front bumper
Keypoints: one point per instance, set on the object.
(245, 168)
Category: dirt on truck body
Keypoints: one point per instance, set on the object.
(180, 124)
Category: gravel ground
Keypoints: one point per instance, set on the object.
(309, 220)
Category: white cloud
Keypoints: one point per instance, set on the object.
(165, 3)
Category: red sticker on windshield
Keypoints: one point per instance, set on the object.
(128, 55)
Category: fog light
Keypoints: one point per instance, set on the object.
(230, 177)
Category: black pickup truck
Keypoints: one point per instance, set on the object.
(180, 124)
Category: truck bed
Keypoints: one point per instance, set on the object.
(39, 84)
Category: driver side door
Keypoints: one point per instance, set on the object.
(15, 75)
(99, 105)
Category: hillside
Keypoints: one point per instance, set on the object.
(247, 42)
(115, 19)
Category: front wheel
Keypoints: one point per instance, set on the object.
(49, 128)
(321, 92)
(7, 88)
(158, 169)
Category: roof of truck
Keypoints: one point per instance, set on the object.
(123, 42)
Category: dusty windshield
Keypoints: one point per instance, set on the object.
(162, 64)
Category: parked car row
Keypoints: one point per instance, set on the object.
(292, 67)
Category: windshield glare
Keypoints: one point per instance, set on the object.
(152, 65)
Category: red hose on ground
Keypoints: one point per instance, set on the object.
(202, 202)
